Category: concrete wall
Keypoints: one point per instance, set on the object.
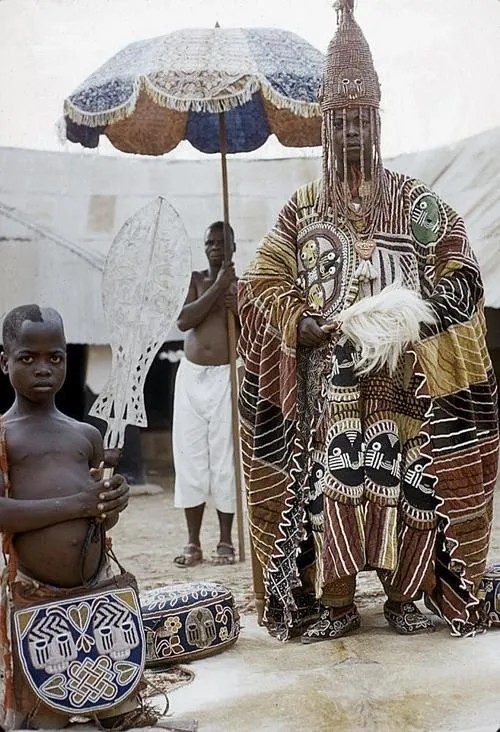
(88, 197)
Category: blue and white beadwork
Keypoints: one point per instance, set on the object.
(82, 655)
(489, 594)
(188, 621)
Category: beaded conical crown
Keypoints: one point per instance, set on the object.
(349, 78)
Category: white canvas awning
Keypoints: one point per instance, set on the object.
(39, 266)
(467, 176)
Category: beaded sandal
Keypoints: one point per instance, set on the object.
(409, 620)
(332, 625)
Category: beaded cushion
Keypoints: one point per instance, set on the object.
(489, 593)
(185, 622)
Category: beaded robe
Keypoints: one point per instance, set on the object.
(388, 472)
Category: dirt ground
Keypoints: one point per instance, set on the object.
(151, 532)
(374, 680)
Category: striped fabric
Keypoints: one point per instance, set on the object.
(394, 473)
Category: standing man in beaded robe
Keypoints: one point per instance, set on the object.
(392, 471)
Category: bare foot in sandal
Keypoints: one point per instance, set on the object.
(190, 557)
(224, 554)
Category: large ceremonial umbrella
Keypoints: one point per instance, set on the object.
(157, 92)
(225, 90)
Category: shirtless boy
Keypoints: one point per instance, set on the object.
(202, 427)
(54, 505)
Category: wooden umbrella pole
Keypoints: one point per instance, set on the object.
(231, 334)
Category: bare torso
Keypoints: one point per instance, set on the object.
(49, 457)
(207, 343)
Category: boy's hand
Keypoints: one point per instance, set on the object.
(105, 498)
(117, 493)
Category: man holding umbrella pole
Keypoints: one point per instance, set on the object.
(202, 429)
(225, 90)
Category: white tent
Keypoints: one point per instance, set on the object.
(467, 176)
(64, 270)
(42, 267)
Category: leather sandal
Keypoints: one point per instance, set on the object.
(224, 554)
(190, 557)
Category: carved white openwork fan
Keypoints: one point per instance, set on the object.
(145, 282)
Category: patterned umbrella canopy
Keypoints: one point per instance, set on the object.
(157, 92)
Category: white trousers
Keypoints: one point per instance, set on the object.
(202, 437)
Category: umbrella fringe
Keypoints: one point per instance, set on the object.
(295, 106)
(193, 104)
(100, 119)
(169, 101)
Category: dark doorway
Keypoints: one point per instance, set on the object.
(493, 338)
(159, 386)
(71, 398)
